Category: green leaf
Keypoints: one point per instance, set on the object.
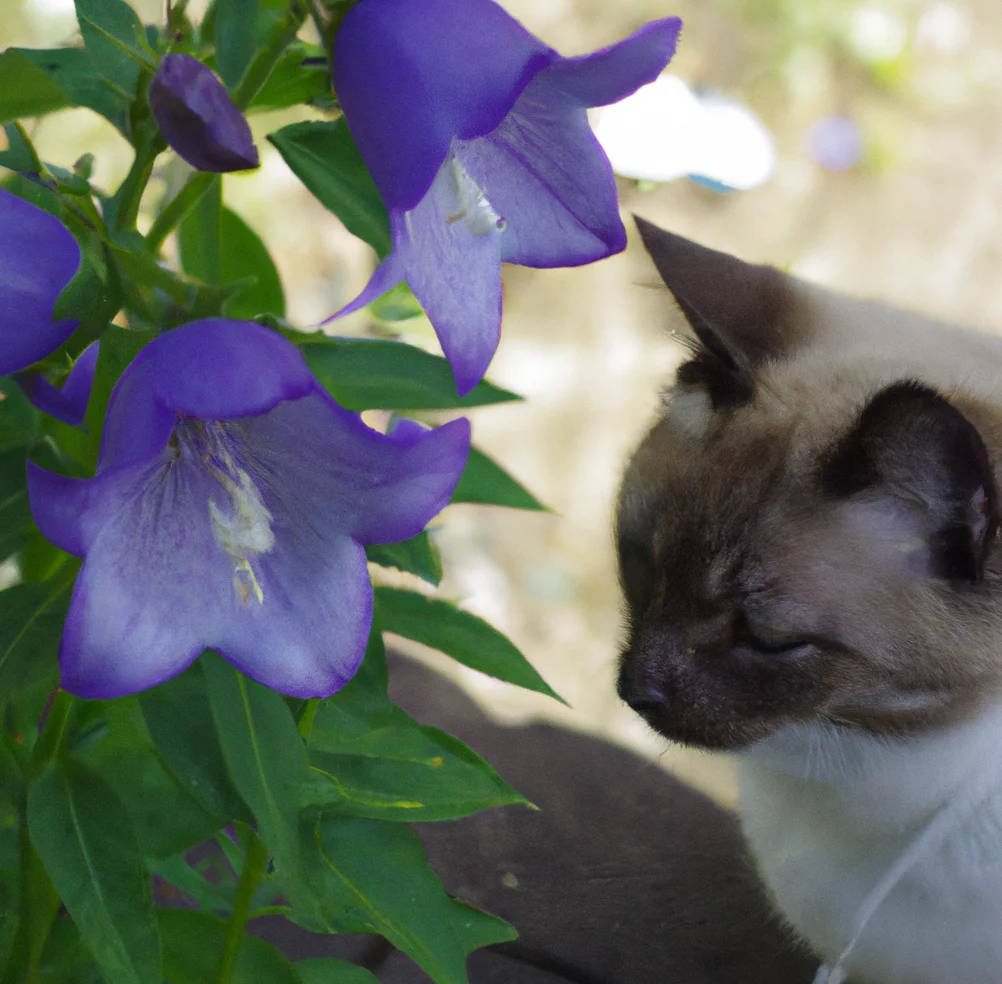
(291, 82)
(377, 873)
(31, 625)
(74, 72)
(25, 90)
(218, 247)
(373, 374)
(179, 718)
(18, 423)
(381, 763)
(194, 942)
(90, 851)
(116, 42)
(485, 481)
(323, 155)
(176, 870)
(463, 636)
(410, 773)
(329, 970)
(240, 30)
(20, 154)
(265, 757)
(415, 556)
(200, 236)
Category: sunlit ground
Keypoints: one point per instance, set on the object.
(915, 88)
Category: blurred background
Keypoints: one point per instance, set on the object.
(856, 143)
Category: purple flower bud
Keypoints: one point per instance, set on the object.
(38, 258)
(231, 507)
(197, 117)
(477, 136)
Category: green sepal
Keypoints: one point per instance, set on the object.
(416, 556)
(484, 481)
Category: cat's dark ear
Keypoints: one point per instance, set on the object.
(911, 444)
(735, 310)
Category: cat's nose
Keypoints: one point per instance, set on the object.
(642, 696)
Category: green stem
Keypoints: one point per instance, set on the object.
(255, 862)
(130, 193)
(305, 723)
(178, 207)
(257, 72)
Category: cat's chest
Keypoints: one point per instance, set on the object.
(824, 846)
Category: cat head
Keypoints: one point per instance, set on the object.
(808, 531)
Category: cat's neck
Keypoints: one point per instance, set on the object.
(893, 783)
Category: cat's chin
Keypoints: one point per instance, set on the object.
(711, 736)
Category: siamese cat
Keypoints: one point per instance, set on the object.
(809, 553)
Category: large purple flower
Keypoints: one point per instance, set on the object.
(38, 258)
(232, 501)
(197, 117)
(477, 137)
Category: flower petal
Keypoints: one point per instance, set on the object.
(613, 73)
(197, 117)
(545, 172)
(136, 426)
(154, 590)
(38, 258)
(68, 404)
(454, 269)
(413, 74)
(387, 275)
(308, 637)
(215, 369)
(343, 475)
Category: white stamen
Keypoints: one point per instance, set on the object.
(475, 209)
(246, 531)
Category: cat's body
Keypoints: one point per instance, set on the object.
(813, 580)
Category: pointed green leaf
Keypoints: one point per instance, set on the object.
(18, 423)
(31, 625)
(194, 942)
(176, 870)
(179, 717)
(15, 514)
(89, 847)
(73, 71)
(264, 755)
(373, 374)
(291, 82)
(385, 765)
(329, 970)
(25, 90)
(463, 636)
(378, 873)
(200, 235)
(323, 155)
(116, 42)
(415, 556)
(239, 31)
(486, 482)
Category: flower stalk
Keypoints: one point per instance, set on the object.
(255, 863)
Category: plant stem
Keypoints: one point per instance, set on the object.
(250, 877)
(178, 207)
(257, 72)
(130, 193)
(51, 739)
(305, 723)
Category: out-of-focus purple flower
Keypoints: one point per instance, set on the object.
(69, 402)
(232, 501)
(38, 258)
(197, 117)
(836, 143)
(477, 136)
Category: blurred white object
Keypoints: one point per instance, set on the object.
(666, 131)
